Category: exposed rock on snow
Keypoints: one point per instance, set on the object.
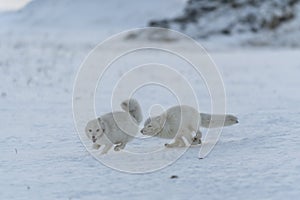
(207, 18)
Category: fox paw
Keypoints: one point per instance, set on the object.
(196, 141)
(117, 148)
(167, 145)
(170, 145)
(96, 146)
(103, 153)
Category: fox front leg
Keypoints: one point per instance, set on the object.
(107, 147)
(96, 146)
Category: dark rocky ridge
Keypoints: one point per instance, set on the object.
(205, 18)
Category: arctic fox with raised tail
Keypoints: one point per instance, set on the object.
(180, 122)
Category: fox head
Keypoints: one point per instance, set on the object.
(95, 129)
(153, 126)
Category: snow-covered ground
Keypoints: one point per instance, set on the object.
(42, 156)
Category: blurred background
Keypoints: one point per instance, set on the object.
(6, 5)
(232, 22)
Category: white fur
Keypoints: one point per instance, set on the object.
(117, 128)
(180, 122)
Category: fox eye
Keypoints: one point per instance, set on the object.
(149, 126)
(97, 130)
(90, 130)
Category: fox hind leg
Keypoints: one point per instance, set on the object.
(197, 138)
(189, 137)
(120, 146)
(107, 147)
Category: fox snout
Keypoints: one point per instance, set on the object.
(94, 139)
(142, 131)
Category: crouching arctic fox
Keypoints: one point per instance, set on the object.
(115, 128)
(180, 122)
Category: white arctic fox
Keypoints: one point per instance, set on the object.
(116, 128)
(180, 121)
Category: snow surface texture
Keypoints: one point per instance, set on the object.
(42, 156)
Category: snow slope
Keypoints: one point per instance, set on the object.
(94, 15)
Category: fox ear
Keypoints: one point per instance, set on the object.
(125, 104)
(161, 119)
(148, 121)
(101, 124)
(157, 119)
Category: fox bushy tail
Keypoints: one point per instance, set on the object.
(215, 121)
